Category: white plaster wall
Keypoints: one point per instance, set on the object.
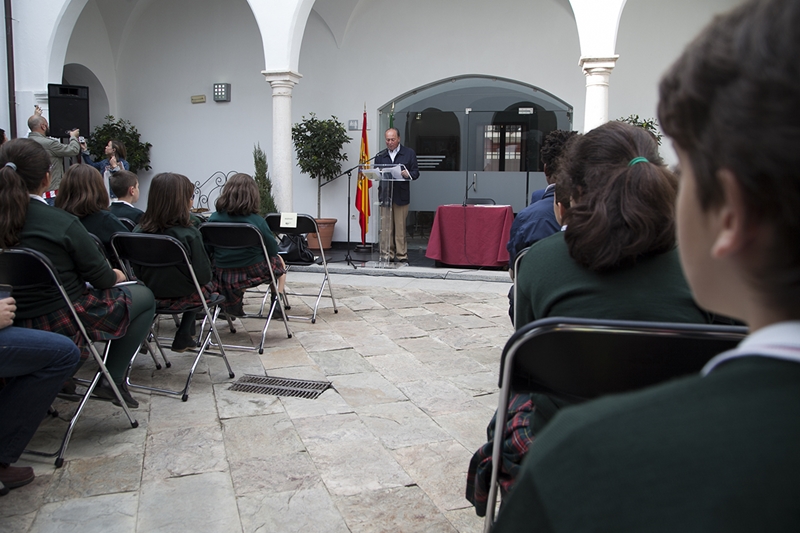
(383, 56)
(652, 34)
(89, 46)
(180, 48)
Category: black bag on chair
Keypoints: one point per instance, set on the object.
(294, 249)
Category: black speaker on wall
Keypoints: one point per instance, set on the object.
(69, 109)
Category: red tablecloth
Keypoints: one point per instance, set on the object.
(473, 235)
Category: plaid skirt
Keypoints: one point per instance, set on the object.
(232, 282)
(193, 300)
(104, 314)
(516, 441)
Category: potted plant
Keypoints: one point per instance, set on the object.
(264, 183)
(318, 144)
(138, 153)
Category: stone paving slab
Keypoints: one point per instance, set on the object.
(413, 362)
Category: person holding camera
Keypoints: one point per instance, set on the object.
(40, 132)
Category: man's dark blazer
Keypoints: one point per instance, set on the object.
(407, 157)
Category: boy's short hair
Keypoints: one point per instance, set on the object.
(732, 101)
(121, 182)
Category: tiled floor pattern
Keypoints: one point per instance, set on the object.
(413, 363)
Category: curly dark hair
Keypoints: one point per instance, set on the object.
(552, 146)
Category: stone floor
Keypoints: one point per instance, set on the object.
(413, 363)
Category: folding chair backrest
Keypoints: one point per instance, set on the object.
(128, 223)
(27, 269)
(305, 224)
(232, 235)
(580, 359)
(147, 249)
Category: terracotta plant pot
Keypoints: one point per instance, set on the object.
(325, 226)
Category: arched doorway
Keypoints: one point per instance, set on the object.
(77, 74)
(477, 136)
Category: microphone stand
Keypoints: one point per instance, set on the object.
(348, 259)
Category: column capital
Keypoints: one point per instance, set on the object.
(589, 64)
(282, 78)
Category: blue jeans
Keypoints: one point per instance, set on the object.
(35, 364)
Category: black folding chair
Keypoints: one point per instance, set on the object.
(235, 236)
(130, 224)
(305, 224)
(163, 251)
(480, 201)
(577, 359)
(27, 269)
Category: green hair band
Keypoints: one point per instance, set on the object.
(638, 160)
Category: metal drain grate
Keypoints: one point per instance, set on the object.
(299, 388)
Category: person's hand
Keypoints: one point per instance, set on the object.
(83, 146)
(113, 162)
(120, 275)
(75, 133)
(8, 309)
(406, 174)
(37, 110)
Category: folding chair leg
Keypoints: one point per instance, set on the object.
(59, 454)
(276, 302)
(205, 342)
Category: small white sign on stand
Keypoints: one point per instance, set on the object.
(288, 220)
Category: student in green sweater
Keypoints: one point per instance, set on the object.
(83, 194)
(125, 186)
(236, 270)
(717, 451)
(168, 204)
(616, 260)
(107, 312)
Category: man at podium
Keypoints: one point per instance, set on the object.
(395, 196)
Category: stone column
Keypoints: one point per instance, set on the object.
(597, 71)
(282, 84)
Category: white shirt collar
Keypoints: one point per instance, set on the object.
(122, 202)
(37, 197)
(393, 153)
(779, 341)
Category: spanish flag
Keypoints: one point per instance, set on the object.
(363, 184)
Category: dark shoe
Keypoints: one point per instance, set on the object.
(181, 342)
(15, 476)
(276, 313)
(104, 391)
(236, 310)
(68, 391)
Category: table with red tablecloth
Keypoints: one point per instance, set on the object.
(472, 235)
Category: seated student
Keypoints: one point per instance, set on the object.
(168, 204)
(35, 363)
(616, 260)
(538, 220)
(83, 194)
(716, 451)
(123, 313)
(125, 186)
(236, 270)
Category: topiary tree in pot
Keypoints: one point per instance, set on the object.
(318, 144)
(264, 183)
(138, 152)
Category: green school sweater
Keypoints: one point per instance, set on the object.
(64, 240)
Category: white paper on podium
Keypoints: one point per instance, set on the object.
(391, 172)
